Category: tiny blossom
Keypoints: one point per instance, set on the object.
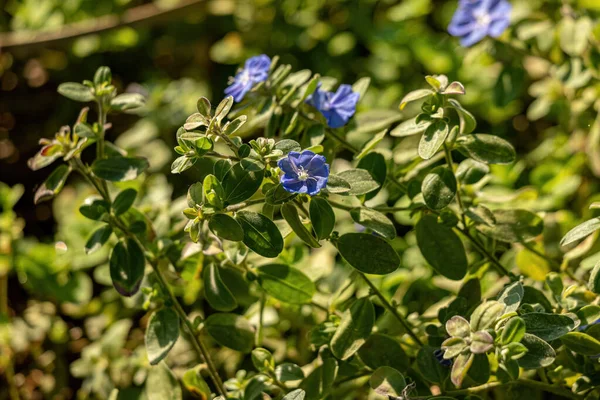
(338, 107)
(256, 69)
(476, 19)
(304, 172)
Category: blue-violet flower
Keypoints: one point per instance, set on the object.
(304, 172)
(476, 19)
(256, 69)
(338, 107)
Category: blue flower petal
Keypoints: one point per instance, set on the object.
(256, 69)
(304, 172)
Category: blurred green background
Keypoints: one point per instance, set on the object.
(536, 88)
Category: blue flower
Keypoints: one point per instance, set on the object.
(338, 107)
(304, 172)
(439, 356)
(256, 69)
(476, 19)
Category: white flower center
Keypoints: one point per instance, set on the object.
(482, 18)
(245, 78)
(302, 174)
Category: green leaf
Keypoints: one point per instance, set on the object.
(225, 227)
(581, 343)
(223, 108)
(457, 326)
(297, 394)
(370, 145)
(94, 208)
(195, 121)
(594, 281)
(414, 95)
(124, 201)
(53, 184)
(539, 353)
(429, 366)
(84, 130)
(361, 86)
(354, 329)
(203, 106)
(102, 76)
(387, 382)
(195, 383)
(360, 180)
(460, 368)
(485, 148)
(212, 192)
(511, 297)
(336, 184)
(367, 253)
(76, 91)
(290, 214)
(161, 384)
(441, 247)
(127, 102)
(217, 293)
(513, 331)
(182, 163)
(260, 234)
(240, 184)
(285, 283)
(470, 171)
(376, 165)
(231, 127)
(288, 372)
(375, 221)
(287, 145)
(119, 169)
(98, 239)
(439, 188)
(580, 231)
(467, 120)
(320, 381)
(278, 195)
(322, 217)
(575, 34)
(433, 139)
(548, 327)
(514, 226)
(161, 334)
(486, 315)
(231, 330)
(127, 267)
(383, 351)
(410, 127)
(263, 360)
(588, 314)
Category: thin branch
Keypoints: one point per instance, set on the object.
(147, 14)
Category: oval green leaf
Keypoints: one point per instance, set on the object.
(285, 283)
(260, 234)
(442, 248)
(367, 253)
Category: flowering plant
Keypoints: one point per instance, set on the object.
(327, 250)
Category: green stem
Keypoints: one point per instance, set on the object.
(391, 309)
(544, 387)
(342, 141)
(495, 263)
(245, 204)
(461, 206)
(196, 342)
(378, 208)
